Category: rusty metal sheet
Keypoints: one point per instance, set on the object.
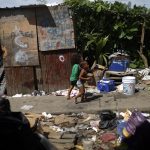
(56, 69)
(19, 80)
(55, 28)
(38, 78)
(18, 37)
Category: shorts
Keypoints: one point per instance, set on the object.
(80, 84)
(73, 83)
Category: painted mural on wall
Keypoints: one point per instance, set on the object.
(18, 38)
(55, 28)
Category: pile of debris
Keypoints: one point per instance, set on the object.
(81, 131)
(78, 130)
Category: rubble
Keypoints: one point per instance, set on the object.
(76, 131)
(82, 131)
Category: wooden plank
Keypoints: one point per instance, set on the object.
(68, 136)
(38, 78)
(118, 73)
(55, 28)
(19, 80)
(18, 37)
(67, 146)
(115, 78)
(62, 141)
(55, 72)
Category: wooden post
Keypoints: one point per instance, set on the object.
(142, 45)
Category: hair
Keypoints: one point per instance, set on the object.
(76, 59)
(83, 63)
(4, 105)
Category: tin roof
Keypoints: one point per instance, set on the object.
(18, 3)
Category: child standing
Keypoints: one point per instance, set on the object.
(82, 79)
(75, 61)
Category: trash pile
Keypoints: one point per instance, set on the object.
(78, 130)
(34, 93)
(81, 131)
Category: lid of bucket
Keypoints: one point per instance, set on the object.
(129, 79)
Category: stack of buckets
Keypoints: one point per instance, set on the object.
(128, 85)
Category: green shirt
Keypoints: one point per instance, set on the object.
(75, 72)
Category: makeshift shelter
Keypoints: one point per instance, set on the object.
(38, 42)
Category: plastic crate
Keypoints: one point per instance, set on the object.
(106, 85)
(119, 65)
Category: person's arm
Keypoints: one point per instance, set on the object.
(81, 76)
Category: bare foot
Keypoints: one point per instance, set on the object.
(68, 98)
(83, 99)
(76, 102)
(72, 96)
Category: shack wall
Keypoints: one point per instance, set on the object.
(55, 69)
(51, 69)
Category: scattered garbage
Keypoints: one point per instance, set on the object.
(47, 116)
(87, 144)
(17, 95)
(64, 92)
(144, 72)
(34, 93)
(94, 123)
(119, 88)
(26, 107)
(107, 137)
(84, 131)
(38, 93)
(108, 120)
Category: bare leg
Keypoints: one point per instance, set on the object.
(69, 91)
(83, 95)
(80, 94)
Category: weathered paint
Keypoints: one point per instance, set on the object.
(55, 28)
(54, 68)
(19, 37)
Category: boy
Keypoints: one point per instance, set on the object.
(82, 79)
(75, 61)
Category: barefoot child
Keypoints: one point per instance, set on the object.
(75, 61)
(82, 79)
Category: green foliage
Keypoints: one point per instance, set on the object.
(96, 42)
(136, 63)
(94, 21)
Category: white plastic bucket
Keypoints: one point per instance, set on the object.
(128, 85)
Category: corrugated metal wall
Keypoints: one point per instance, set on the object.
(19, 80)
(55, 74)
(51, 74)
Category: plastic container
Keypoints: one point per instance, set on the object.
(106, 85)
(128, 85)
(119, 65)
